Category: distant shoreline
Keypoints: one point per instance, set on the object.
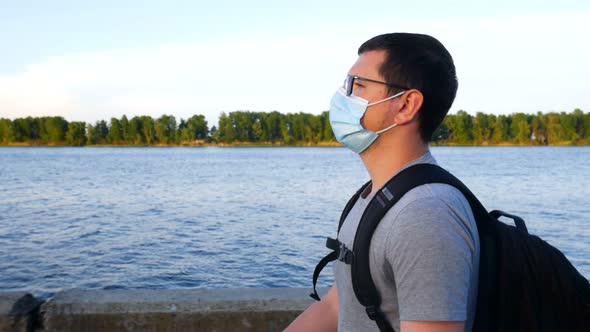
(323, 144)
(262, 129)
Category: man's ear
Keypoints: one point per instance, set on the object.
(411, 103)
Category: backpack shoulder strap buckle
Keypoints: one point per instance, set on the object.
(379, 317)
(372, 312)
(343, 253)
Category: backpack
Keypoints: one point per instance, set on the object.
(525, 284)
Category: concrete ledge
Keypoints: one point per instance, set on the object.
(18, 311)
(242, 309)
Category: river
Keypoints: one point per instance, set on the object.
(104, 218)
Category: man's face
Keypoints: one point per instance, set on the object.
(377, 116)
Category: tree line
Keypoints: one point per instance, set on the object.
(139, 130)
(291, 129)
(519, 128)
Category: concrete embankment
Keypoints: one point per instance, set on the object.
(18, 311)
(224, 309)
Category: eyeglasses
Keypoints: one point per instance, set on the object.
(349, 83)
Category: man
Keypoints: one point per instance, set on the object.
(424, 255)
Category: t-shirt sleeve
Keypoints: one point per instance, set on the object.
(430, 250)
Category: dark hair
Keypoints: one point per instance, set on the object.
(419, 62)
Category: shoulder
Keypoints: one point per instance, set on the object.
(430, 200)
(433, 192)
(430, 214)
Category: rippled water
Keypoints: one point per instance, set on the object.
(236, 217)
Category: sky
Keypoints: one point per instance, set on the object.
(93, 60)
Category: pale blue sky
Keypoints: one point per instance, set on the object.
(93, 60)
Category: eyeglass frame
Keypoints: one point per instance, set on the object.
(349, 83)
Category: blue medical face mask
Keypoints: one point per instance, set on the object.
(345, 118)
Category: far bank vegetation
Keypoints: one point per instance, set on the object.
(246, 128)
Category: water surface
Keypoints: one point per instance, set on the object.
(99, 218)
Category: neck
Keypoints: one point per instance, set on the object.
(385, 159)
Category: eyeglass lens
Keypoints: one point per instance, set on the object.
(348, 84)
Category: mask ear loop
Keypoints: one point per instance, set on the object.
(380, 101)
(386, 129)
(386, 99)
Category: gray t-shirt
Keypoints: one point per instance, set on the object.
(424, 259)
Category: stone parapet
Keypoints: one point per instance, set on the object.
(18, 312)
(224, 309)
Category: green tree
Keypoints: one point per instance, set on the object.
(520, 128)
(213, 132)
(460, 127)
(265, 134)
(115, 131)
(327, 128)
(182, 132)
(578, 115)
(242, 126)
(126, 137)
(148, 129)
(34, 128)
(539, 128)
(285, 130)
(586, 125)
(136, 131)
(166, 129)
(6, 131)
(22, 130)
(101, 132)
(569, 126)
(197, 127)
(481, 128)
(257, 130)
(42, 134)
(555, 133)
(297, 127)
(500, 129)
(226, 132)
(76, 134)
(441, 133)
(273, 125)
(316, 128)
(91, 135)
(56, 127)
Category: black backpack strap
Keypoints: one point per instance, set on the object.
(318, 269)
(409, 178)
(339, 250)
(351, 203)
